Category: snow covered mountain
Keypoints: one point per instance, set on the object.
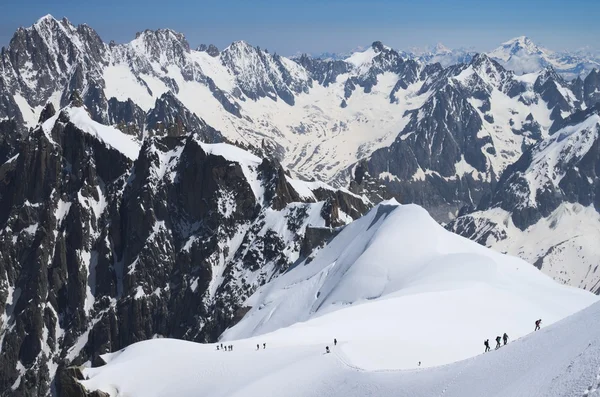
(173, 182)
(320, 118)
(475, 120)
(107, 242)
(545, 207)
(397, 259)
(395, 289)
(522, 55)
(443, 55)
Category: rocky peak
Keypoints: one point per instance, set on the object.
(378, 46)
(161, 45)
(47, 112)
(591, 88)
(521, 42)
(439, 48)
(170, 117)
(491, 72)
(516, 46)
(47, 22)
(260, 74)
(75, 99)
(547, 74)
(211, 50)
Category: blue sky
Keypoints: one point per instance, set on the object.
(315, 26)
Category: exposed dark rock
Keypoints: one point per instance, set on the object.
(97, 245)
(170, 117)
(47, 112)
(127, 117)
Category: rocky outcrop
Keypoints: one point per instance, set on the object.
(324, 72)
(170, 117)
(102, 248)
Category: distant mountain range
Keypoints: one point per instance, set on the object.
(519, 54)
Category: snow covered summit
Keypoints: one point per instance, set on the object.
(401, 289)
(522, 55)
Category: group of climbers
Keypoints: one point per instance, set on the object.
(230, 347)
(327, 347)
(226, 348)
(486, 343)
(504, 337)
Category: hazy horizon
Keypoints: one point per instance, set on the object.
(290, 27)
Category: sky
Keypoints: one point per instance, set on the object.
(314, 26)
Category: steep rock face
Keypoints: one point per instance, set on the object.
(545, 206)
(54, 195)
(568, 172)
(127, 117)
(170, 117)
(40, 60)
(325, 72)
(376, 61)
(106, 243)
(591, 88)
(260, 74)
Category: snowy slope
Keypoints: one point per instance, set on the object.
(560, 360)
(389, 268)
(563, 245)
(109, 135)
(522, 55)
(545, 208)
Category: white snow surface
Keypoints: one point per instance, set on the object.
(567, 146)
(522, 55)
(565, 241)
(109, 135)
(404, 276)
(394, 288)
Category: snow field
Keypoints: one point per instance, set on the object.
(560, 360)
(395, 289)
(397, 283)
